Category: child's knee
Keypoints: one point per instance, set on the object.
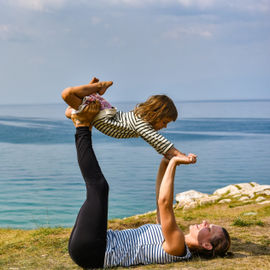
(65, 93)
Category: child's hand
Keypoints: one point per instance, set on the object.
(192, 158)
(185, 159)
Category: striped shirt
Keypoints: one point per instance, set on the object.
(128, 125)
(138, 246)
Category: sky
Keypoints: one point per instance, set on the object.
(187, 49)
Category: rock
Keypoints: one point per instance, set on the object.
(225, 201)
(264, 192)
(206, 200)
(247, 186)
(249, 193)
(190, 206)
(187, 197)
(250, 214)
(248, 189)
(260, 198)
(231, 189)
(241, 192)
(190, 194)
(244, 198)
(265, 202)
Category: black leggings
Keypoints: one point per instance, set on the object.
(87, 242)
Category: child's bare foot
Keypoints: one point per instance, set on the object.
(94, 80)
(104, 86)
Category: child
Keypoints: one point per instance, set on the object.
(144, 121)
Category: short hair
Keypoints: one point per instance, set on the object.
(155, 108)
(220, 245)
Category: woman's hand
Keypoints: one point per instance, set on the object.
(189, 159)
(85, 118)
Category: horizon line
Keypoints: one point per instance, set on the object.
(177, 101)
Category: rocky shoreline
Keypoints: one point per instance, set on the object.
(244, 192)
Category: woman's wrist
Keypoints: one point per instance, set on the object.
(78, 123)
(175, 161)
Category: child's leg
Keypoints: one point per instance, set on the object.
(73, 96)
(69, 109)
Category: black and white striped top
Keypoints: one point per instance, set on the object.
(138, 246)
(128, 125)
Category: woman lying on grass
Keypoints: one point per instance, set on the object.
(92, 246)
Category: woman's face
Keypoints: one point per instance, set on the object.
(204, 232)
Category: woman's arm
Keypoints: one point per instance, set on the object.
(161, 171)
(174, 243)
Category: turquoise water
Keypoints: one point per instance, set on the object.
(41, 185)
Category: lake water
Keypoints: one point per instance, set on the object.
(41, 185)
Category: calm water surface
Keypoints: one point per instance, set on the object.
(41, 185)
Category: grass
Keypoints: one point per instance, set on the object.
(244, 223)
(46, 248)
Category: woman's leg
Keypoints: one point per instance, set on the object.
(87, 242)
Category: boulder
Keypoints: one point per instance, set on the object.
(190, 206)
(225, 201)
(241, 192)
(206, 200)
(188, 197)
(231, 190)
(244, 198)
(264, 202)
(264, 192)
(250, 214)
(260, 198)
(248, 189)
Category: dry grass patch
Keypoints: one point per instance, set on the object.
(46, 248)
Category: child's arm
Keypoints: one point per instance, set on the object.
(161, 171)
(159, 142)
(173, 152)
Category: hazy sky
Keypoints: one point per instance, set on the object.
(188, 49)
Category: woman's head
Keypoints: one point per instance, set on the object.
(208, 240)
(157, 108)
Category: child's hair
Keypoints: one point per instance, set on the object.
(156, 108)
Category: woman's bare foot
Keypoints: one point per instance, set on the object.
(94, 80)
(68, 112)
(104, 86)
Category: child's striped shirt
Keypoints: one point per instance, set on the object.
(128, 125)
